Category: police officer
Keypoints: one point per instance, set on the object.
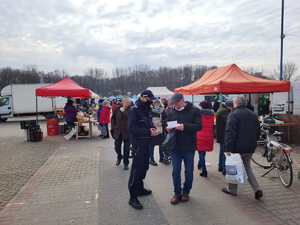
(141, 129)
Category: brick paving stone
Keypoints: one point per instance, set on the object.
(208, 205)
(63, 191)
(80, 184)
(19, 160)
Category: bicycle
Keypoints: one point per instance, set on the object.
(276, 155)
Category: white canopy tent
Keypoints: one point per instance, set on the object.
(94, 95)
(162, 92)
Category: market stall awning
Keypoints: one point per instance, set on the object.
(232, 80)
(163, 92)
(65, 88)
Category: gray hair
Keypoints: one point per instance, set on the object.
(125, 97)
(240, 100)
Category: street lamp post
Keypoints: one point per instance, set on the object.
(282, 36)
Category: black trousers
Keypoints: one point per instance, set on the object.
(139, 168)
(118, 146)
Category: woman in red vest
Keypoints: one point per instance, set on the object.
(205, 137)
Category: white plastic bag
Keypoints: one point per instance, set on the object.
(70, 134)
(235, 170)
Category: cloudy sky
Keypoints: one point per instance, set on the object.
(77, 34)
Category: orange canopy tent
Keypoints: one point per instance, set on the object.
(232, 80)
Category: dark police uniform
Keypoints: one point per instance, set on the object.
(139, 124)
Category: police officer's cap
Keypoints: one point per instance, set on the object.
(148, 93)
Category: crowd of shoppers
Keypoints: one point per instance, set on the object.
(144, 125)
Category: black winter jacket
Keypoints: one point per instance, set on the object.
(221, 117)
(190, 117)
(139, 123)
(242, 131)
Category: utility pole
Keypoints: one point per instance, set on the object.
(282, 36)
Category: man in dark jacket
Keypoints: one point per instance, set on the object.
(241, 134)
(119, 131)
(188, 119)
(221, 117)
(141, 129)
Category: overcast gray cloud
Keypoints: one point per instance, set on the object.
(76, 34)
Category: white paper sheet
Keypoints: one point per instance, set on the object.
(172, 124)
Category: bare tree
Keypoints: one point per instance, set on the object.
(288, 72)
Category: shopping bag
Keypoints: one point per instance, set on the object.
(70, 134)
(235, 170)
(170, 141)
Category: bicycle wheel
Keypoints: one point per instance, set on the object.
(260, 157)
(285, 170)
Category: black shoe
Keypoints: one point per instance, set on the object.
(220, 170)
(145, 192)
(135, 203)
(258, 194)
(204, 173)
(227, 192)
(153, 163)
(118, 162)
(199, 167)
(125, 167)
(224, 172)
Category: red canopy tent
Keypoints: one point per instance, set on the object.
(65, 88)
(232, 80)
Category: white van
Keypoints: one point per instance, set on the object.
(280, 100)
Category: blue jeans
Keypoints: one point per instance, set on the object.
(151, 151)
(222, 158)
(188, 159)
(202, 159)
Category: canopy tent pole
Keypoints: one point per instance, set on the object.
(36, 108)
(282, 36)
(193, 99)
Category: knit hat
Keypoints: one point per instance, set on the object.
(205, 104)
(104, 103)
(229, 103)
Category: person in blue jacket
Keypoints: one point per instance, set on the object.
(141, 129)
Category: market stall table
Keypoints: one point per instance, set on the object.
(79, 125)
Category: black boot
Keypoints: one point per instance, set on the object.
(135, 203)
(145, 191)
(118, 162)
(199, 166)
(203, 173)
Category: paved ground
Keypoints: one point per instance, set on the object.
(19, 159)
(208, 205)
(18, 162)
(79, 184)
(63, 191)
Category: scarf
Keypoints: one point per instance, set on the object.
(158, 110)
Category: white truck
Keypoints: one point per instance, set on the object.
(287, 102)
(20, 99)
